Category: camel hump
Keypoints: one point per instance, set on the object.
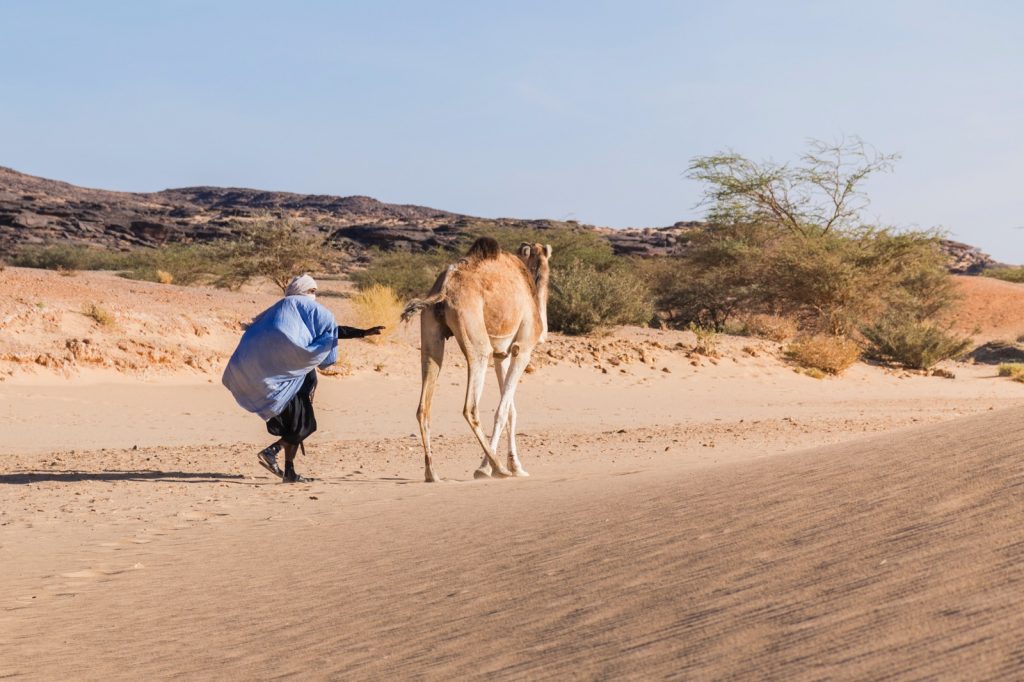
(484, 248)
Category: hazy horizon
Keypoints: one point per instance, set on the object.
(564, 110)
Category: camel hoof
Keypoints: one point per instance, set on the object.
(522, 473)
(481, 473)
(502, 472)
(431, 478)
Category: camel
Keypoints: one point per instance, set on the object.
(495, 305)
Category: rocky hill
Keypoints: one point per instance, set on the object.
(39, 211)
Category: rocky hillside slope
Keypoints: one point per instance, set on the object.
(40, 211)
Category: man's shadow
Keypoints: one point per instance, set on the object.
(22, 477)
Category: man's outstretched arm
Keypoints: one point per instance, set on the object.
(357, 333)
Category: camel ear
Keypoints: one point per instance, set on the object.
(547, 250)
(524, 249)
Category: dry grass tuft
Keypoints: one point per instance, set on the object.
(829, 354)
(377, 305)
(771, 327)
(707, 340)
(1014, 370)
(98, 315)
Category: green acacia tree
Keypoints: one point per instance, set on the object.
(272, 247)
(819, 194)
(790, 239)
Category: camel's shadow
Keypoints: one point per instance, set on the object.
(23, 477)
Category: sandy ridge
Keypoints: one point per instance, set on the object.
(892, 557)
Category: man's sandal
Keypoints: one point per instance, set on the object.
(267, 459)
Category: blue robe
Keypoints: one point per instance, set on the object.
(281, 346)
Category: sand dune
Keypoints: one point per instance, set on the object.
(686, 516)
(897, 556)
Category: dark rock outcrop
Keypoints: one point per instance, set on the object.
(997, 352)
(965, 259)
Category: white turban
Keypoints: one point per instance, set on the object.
(300, 284)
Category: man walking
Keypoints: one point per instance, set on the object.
(273, 371)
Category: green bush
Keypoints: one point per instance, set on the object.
(66, 257)
(835, 282)
(408, 274)
(567, 243)
(589, 298)
(708, 286)
(1006, 274)
(276, 248)
(268, 247)
(916, 344)
(185, 263)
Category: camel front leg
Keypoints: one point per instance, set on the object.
(507, 410)
(431, 357)
(477, 369)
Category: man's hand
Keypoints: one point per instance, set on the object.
(357, 333)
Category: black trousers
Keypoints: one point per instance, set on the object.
(297, 422)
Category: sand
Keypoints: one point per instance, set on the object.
(685, 516)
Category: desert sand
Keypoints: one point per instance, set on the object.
(685, 516)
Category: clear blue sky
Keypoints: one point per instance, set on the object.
(584, 110)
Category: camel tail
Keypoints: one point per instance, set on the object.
(417, 304)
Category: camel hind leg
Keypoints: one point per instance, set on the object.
(506, 411)
(477, 369)
(431, 357)
(501, 366)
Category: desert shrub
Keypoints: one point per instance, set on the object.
(66, 257)
(1014, 370)
(916, 344)
(98, 315)
(834, 283)
(589, 298)
(1006, 274)
(377, 305)
(567, 243)
(268, 247)
(822, 352)
(715, 279)
(276, 248)
(706, 340)
(407, 274)
(183, 264)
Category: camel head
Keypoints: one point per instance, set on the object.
(536, 256)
